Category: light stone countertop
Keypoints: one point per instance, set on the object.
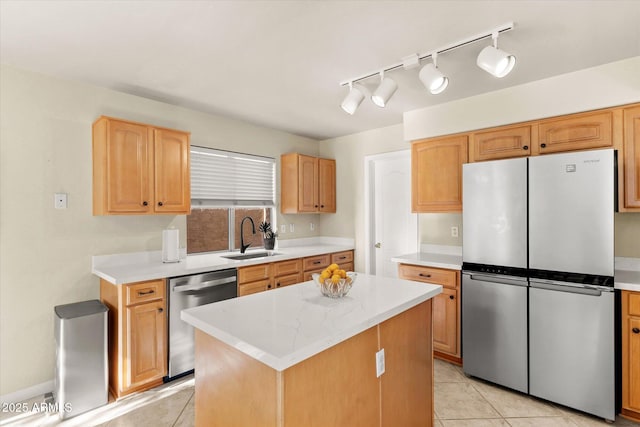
(627, 274)
(449, 257)
(141, 266)
(285, 326)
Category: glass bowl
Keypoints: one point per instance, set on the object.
(335, 290)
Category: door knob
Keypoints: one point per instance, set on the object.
(378, 245)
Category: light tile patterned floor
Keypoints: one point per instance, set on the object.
(459, 402)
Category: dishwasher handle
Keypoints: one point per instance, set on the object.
(571, 288)
(497, 278)
(203, 285)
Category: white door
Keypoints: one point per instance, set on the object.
(394, 229)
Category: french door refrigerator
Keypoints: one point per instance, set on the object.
(563, 350)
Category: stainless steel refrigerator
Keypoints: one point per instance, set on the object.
(537, 283)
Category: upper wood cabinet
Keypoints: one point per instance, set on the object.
(576, 132)
(500, 143)
(307, 184)
(139, 169)
(631, 163)
(436, 174)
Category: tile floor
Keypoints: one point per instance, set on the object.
(459, 401)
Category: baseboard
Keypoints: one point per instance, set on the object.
(447, 357)
(630, 415)
(28, 393)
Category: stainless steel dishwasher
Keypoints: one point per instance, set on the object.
(192, 291)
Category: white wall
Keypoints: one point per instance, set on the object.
(45, 254)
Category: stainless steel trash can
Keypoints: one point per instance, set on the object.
(81, 380)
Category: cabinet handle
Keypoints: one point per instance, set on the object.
(317, 262)
(149, 292)
(543, 145)
(145, 203)
(342, 257)
(451, 297)
(526, 147)
(269, 286)
(636, 330)
(315, 206)
(159, 203)
(424, 275)
(322, 206)
(278, 284)
(160, 310)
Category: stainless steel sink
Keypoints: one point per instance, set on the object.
(250, 255)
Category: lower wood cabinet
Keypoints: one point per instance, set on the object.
(446, 307)
(262, 277)
(631, 354)
(137, 335)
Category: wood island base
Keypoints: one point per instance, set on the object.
(337, 387)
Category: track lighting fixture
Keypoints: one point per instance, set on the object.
(432, 78)
(353, 99)
(495, 61)
(385, 91)
(491, 59)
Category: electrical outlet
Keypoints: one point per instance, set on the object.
(283, 228)
(60, 201)
(312, 226)
(380, 363)
(292, 228)
(454, 231)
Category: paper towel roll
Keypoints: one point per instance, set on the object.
(170, 245)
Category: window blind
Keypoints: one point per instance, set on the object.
(224, 178)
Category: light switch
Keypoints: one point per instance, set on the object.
(283, 228)
(454, 231)
(292, 228)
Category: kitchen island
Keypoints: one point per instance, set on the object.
(292, 357)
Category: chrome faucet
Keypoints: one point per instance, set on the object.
(244, 247)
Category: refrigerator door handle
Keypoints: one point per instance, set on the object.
(572, 288)
(496, 278)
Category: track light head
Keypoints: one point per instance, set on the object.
(353, 99)
(495, 61)
(385, 91)
(432, 78)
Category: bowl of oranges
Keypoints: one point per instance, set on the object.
(334, 282)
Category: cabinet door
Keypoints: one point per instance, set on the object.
(632, 157)
(129, 168)
(254, 273)
(503, 143)
(578, 132)
(172, 176)
(307, 184)
(327, 185)
(445, 321)
(145, 357)
(436, 174)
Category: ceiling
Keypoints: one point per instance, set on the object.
(279, 63)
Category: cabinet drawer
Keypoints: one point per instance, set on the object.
(307, 274)
(437, 276)
(254, 287)
(290, 279)
(633, 307)
(342, 257)
(144, 291)
(317, 262)
(291, 266)
(253, 273)
(347, 266)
